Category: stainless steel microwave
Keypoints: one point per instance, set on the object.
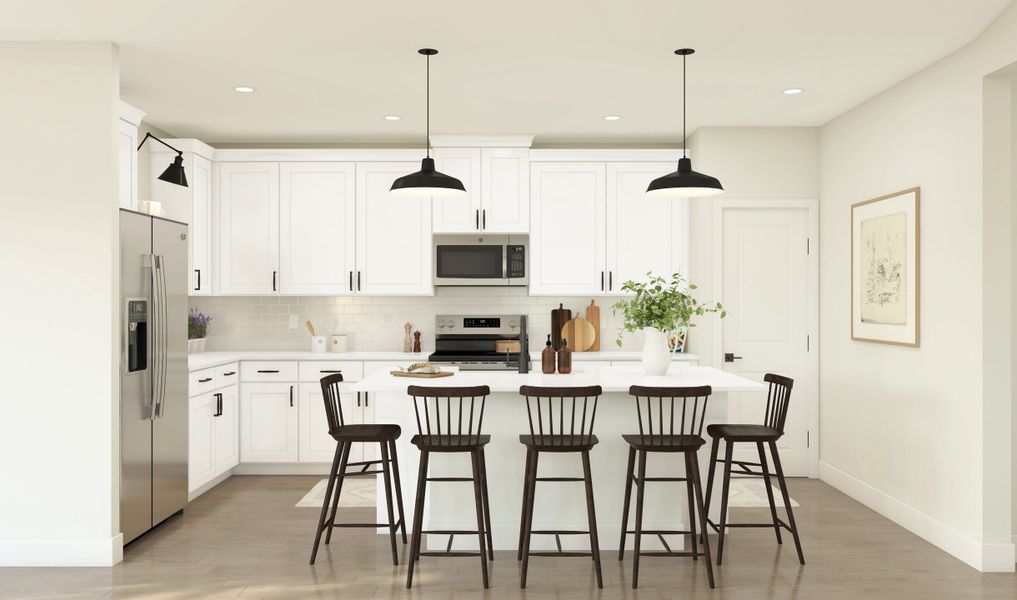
(480, 260)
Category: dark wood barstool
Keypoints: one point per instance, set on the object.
(345, 436)
(561, 420)
(451, 422)
(777, 401)
(671, 422)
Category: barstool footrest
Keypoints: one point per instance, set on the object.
(450, 531)
(660, 553)
(660, 532)
(453, 553)
(449, 479)
(660, 479)
(568, 554)
(385, 525)
(780, 522)
(560, 479)
(559, 532)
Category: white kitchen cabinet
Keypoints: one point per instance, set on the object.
(567, 237)
(393, 234)
(497, 191)
(226, 430)
(201, 445)
(316, 445)
(268, 422)
(644, 233)
(247, 228)
(317, 228)
(127, 155)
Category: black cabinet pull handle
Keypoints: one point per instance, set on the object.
(230, 373)
(351, 281)
(205, 380)
(484, 222)
(273, 280)
(610, 281)
(477, 219)
(268, 370)
(291, 395)
(330, 371)
(366, 400)
(198, 288)
(358, 399)
(730, 357)
(218, 405)
(602, 281)
(358, 281)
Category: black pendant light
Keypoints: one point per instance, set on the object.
(175, 172)
(427, 182)
(684, 183)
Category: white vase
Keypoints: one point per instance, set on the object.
(656, 358)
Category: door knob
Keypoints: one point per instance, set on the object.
(730, 357)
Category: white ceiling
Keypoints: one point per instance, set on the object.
(327, 71)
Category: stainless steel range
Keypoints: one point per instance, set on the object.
(481, 342)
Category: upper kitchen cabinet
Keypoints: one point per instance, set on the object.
(317, 228)
(644, 233)
(393, 234)
(247, 228)
(191, 204)
(497, 186)
(567, 237)
(127, 155)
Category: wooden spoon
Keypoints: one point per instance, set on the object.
(310, 327)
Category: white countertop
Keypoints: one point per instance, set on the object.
(611, 379)
(204, 360)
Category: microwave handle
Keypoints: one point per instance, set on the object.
(504, 261)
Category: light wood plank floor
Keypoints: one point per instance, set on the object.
(244, 539)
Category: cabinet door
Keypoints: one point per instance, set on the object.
(393, 234)
(459, 214)
(317, 228)
(200, 454)
(226, 429)
(199, 177)
(268, 422)
(248, 228)
(567, 253)
(316, 445)
(643, 233)
(127, 163)
(366, 405)
(505, 190)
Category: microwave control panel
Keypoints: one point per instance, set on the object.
(516, 261)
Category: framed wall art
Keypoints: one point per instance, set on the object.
(885, 269)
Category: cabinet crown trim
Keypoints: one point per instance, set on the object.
(187, 145)
(606, 155)
(481, 141)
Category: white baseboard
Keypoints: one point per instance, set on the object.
(61, 552)
(282, 469)
(211, 484)
(986, 557)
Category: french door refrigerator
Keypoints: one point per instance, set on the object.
(153, 375)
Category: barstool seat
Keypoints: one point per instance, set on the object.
(450, 443)
(744, 433)
(664, 443)
(559, 443)
(379, 432)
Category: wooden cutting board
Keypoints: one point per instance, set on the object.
(422, 375)
(593, 316)
(579, 334)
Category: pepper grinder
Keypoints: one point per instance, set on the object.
(416, 341)
(564, 358)
(547, 358)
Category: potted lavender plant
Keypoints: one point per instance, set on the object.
(197, 329)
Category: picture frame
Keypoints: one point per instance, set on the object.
(886, 269)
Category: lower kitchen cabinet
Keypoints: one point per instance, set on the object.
(225, 428)
(268, 422)
(212, 436)
(316, 445)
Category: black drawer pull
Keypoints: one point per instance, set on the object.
(230, 373)
(205, 380)
(268, 370)
(329, 371)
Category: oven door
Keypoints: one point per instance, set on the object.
(470, 260)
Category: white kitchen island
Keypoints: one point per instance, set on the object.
(557, 505)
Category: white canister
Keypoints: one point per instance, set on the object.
(339, 342)
(319, 343)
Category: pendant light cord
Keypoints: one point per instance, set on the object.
(684, 134)
(427, 141)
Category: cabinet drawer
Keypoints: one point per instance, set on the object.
(226, 375)
(200, 382)
(314, 370)
(268, 371)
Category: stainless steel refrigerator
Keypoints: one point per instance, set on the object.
(153, 374)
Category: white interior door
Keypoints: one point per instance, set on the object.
(317, 228)
(767, 288)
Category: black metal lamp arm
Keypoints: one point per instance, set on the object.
(149, 135)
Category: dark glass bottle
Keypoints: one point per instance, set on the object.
(564, 358)
(547, 358)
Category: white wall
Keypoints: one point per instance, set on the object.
(923, 435)
(752, 163)
(58, 238)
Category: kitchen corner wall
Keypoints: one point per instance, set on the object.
(376, 323)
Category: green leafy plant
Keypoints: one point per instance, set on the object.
(664, 305)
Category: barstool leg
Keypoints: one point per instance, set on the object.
(625, 505)
(398, 488)
(418, 516)
(526, 494)
(692, 505)
(531, 492)
(340, 477)
(640, 486)
(787, 501)
(328, 498)
(388, 501)
(487, 504)
(729, 454)
(591, 513)
(478, 495)
(714, 448)
(698, 485)
(769, 490)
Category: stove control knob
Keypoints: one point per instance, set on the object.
(513, 324)
(451, 323)
(442, 323)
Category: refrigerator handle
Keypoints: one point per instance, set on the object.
(163, 333)
(150, 262)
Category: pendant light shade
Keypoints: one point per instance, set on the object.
(684, 183)
(427, 182)
(175, 172)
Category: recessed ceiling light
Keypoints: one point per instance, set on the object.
(243, 89)
(793, 91)
(612, 118)
(392, 117)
